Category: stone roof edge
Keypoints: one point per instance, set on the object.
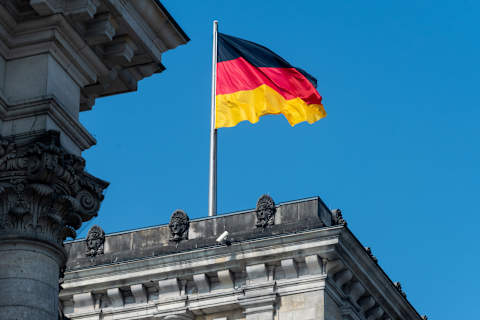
(172, 20)
(252, 245)
(202, 218)
(382, 272)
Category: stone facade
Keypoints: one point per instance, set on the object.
(305, 265)
(56, 58)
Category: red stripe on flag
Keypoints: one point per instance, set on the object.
(239, 75)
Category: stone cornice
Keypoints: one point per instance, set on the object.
(336, 245)
(373, 278)
(321, 241)
(254, 297)
(54, 35)
(252, 275)
(142, 30)
(48, 105)
(106, 46)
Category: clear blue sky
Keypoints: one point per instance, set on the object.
(398, 151)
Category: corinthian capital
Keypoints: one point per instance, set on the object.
(45, 193)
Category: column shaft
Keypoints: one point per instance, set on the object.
(29, 273)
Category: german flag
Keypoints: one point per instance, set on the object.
(253, 81)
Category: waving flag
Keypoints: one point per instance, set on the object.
(253, 81)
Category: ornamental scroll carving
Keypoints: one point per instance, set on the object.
(265, 211)
(95, 241)
(44, 191)
(179, 225)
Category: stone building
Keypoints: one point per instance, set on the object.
(56, 58)
(296, 260)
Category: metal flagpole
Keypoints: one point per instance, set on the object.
(212, 190)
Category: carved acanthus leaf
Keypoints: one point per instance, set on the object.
(44, 190)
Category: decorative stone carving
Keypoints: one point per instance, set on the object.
(179, 225)
(44, 191)
(338, 218)
(398, 286)
(95, 241)
(370, 253)
(265, 211)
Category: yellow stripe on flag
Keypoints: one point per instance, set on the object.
(252, 104)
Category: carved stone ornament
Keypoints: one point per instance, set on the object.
(265, 211)
(370, 253)
(179, 225)
(338, 218)
(95, 241)
(398, 286)
(44, 191)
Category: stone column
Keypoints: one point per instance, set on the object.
(45, 195)
(56, 58)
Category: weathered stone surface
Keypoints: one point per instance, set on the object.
(28, 279)
(179, 226)
(337, 217)
(95, 241)
(83, 302)
(265, 211)
(56, 58)
(45, 195)
(370, 253)
(294, 269)
(290, 268)
(202, 233)
(314, 264)
(140, 293)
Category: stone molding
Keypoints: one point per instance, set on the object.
(273, 268)
(50, 106)
(45, 193)
(85, 38)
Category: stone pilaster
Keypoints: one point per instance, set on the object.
(45, 195)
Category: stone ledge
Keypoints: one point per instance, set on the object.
(292, 217)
